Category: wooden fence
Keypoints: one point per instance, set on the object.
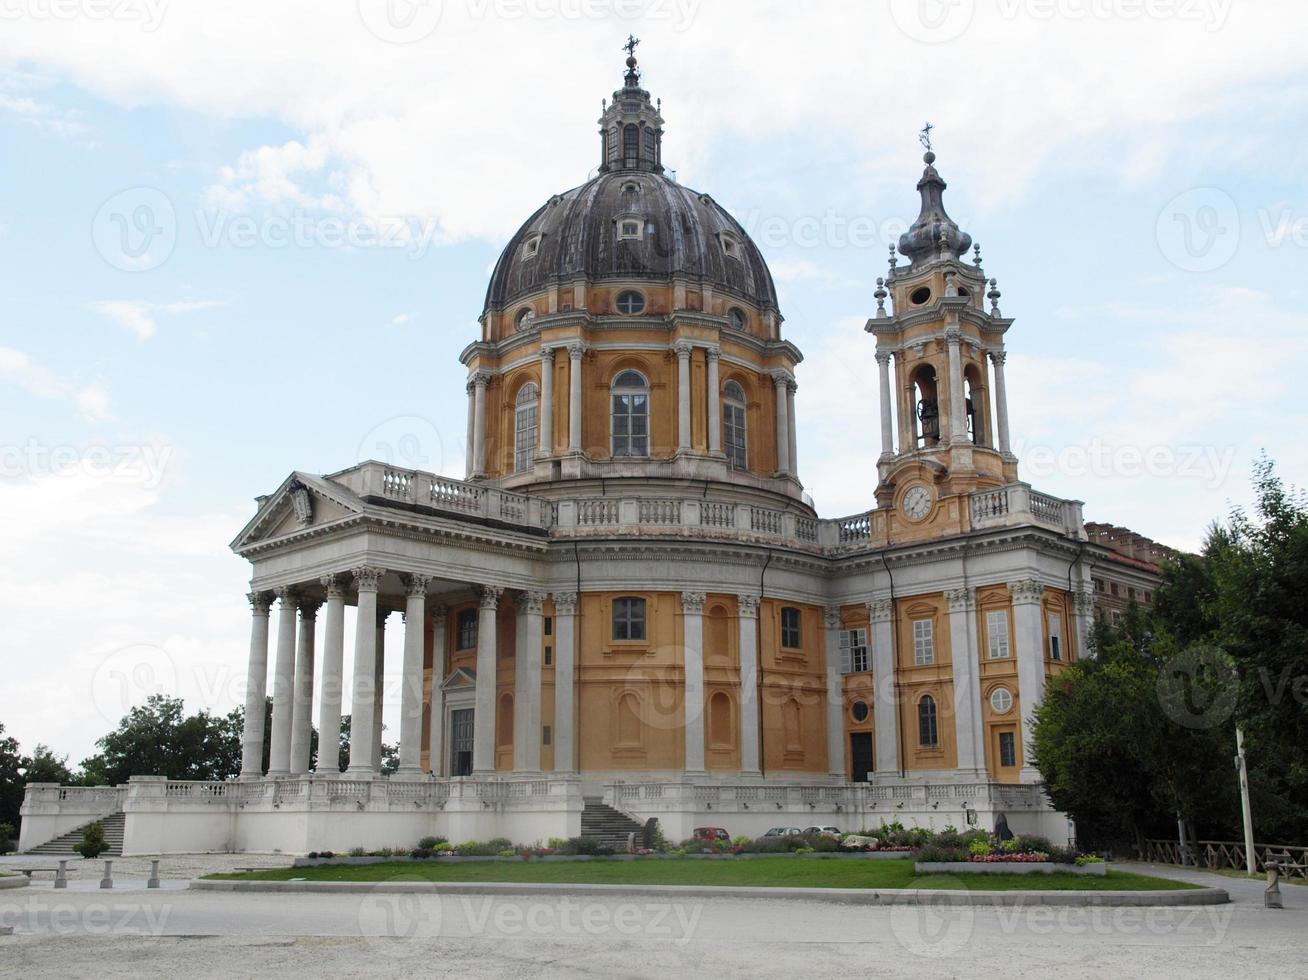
(1228, 854)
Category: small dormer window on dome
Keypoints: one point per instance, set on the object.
(730, 244)
(630, 226)
(531, 246)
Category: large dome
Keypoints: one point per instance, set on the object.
(578, 235)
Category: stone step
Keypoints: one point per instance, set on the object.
(114, 825)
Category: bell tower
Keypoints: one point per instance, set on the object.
(944, 421)
(631, 129)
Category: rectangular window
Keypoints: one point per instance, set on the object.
(1099, 585)
(546, 735)
(629, 619)
(525, 437)
(467, 639)
(733, 428)
(997, 634)
(1055, 636)
(549, 656)
(1007, 750)
(791, 638)
(854, 654)
(549, 625)
(924, 642)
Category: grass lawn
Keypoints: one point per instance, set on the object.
(773, 873)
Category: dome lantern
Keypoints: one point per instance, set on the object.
(631, 128)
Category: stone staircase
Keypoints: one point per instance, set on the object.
(63, 846)
(606, 825)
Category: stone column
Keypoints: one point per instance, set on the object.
(887, 423)
(547, 401)
(886, 702)
(1029, 634)
(1001, 400)
(692, 619)
(526, 706)
(747, 606)
(333, 677)
(576, 352)
(362, 761)
(483, 748)
(781, 382)
(302, 707)
(683, 350)
(1083, 609)
(714, 402)
(792, 431)
(957, 410)
(835, 695)
(565, 617)
(436, 733)
(379, 688)
(256, 687)
(279, 759)
(967, 686)
(471, 438)
(480, 381)
(415, 628)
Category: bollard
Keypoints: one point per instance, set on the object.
(61, 876)
(154, 875)
(1272, 897)
(108, 880)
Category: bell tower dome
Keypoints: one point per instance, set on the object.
(944, 421)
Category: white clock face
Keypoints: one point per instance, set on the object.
(917, 503)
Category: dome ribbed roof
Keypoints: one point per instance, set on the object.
(579, 239)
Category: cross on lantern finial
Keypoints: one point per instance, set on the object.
(925, 135)
(630, 46)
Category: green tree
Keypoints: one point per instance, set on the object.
(11, 783)
(43, 766)
(92, 844)
(159, 739)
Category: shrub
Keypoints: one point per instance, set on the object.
(312, 855)
(327, 854)
(92, 844)
(357, 852)
(6, 838)
(1084, 859)
(742, 842)
(472, 848)
(429, 843)
(1033, 844)
(979, 848)
(933, 853)
(444, 847)
(1010, 846)
(1062, 855)
(555, 843)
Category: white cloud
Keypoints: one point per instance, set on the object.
(399, 320)
(139, 316)
(92, 400)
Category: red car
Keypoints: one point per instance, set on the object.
(711, 833)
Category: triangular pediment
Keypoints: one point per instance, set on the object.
(460, 677)
(302, 502)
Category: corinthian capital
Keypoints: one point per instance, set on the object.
(692, 602)
(747, 606)
(998, 357)
(490, 596)
(883, 357)
(577, 350)
(366, 578)
(260, 602)
(565, 603)
(683, 349)
(880, 610)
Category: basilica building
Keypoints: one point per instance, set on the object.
(628, 605)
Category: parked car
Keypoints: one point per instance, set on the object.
(824, 832)
(711, 833)
(777, 833)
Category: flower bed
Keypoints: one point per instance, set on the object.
(1024, 867)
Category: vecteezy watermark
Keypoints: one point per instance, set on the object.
(1203, 925)
(1199, 230)
(1283, 226)
(831, 229)
(941, 21)
(389, 913)
(410, 442)
(136, 229)
(140, 465)
(39, 915)
(302, 230)
(1209, 465)
(1198, 688)
(149, 13)
(401, 21)
(935, 926)
(933, 21)
(128, 676)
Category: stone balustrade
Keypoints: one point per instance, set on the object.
(582, 516)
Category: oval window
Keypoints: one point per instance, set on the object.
(920, 296)
(860, 711)
(1001, 700)
(630, 301)
(737, 316)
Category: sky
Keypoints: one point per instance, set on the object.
(241, 238)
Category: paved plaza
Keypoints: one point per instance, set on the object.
(131, 932)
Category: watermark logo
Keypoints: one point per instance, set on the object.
(933, 21)
(408, 442)
(401, 21)
(148, 13)
(1198, 688)
(136, 229)
(130, 675)
(934, 927)
(1199, 230)
(387, 918)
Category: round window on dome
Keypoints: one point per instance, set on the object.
(630, 302)
(920, 296)
(860, 711)
(737, 316)
(1001, 700)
